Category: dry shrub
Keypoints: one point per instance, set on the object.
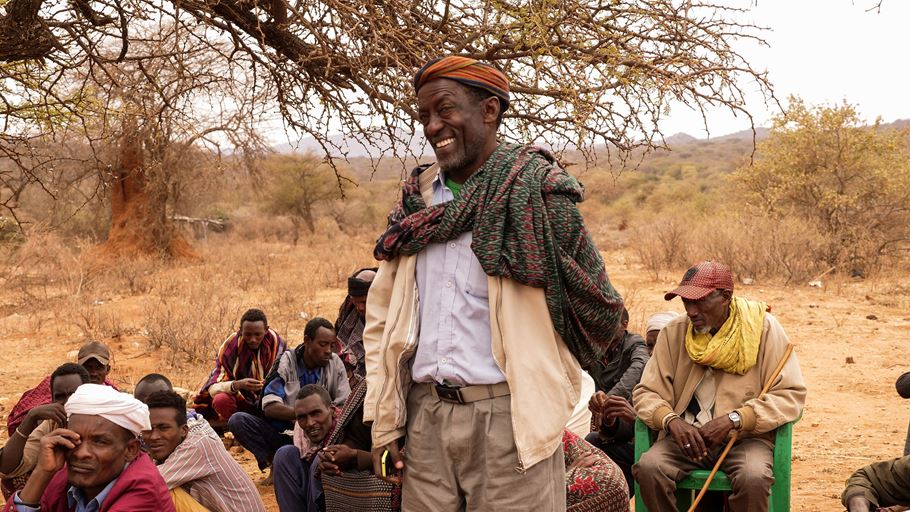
(43, 268)
(754, 246)
(190, 324)
(96, 323)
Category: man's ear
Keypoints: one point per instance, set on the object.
(132, 449)
(184, 431)
(490, 108)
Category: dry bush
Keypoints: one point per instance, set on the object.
(189, 325)
(754, 246)
(96, 323)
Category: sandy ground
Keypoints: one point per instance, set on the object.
(850, 338)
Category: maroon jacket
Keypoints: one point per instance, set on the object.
(139, 488)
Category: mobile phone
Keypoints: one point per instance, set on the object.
(386, 463)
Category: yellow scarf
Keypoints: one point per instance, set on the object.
(734, 349)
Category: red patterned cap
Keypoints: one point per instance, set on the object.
(702, 279)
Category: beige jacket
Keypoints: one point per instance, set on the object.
(670, 378)
(543, 375)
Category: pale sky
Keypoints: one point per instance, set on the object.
(825, 51)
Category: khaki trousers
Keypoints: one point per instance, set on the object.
(462, 457)
(749, 466)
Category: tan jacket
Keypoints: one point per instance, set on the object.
(670, 378)
(543, 376)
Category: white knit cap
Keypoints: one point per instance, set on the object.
(660, 320)
(118, 408)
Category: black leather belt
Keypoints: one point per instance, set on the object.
(468, 394)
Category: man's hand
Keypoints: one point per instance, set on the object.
(858, 503)
(51, 411)
(249, 384)
(596, 403)
(337, 457)
(586, 460)
(54, 447)
(715, 432)
(688, 439)
(617, 407)
(396, 460)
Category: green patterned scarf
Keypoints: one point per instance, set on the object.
(521, 209)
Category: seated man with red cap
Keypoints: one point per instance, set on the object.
(95, 463)
(489, 294)
(704, 381)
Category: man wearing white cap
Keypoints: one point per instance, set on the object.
(95, 463)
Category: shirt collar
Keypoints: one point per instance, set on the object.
(76, 499)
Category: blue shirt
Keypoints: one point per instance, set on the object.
(74, 498)
(277, 387)
(455, 344)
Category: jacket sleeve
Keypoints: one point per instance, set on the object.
(632, 374)
(784, 401)
(651, 397)
(884, 483)
(903, 385)
(376, 314)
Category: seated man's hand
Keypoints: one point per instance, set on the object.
(596, 403)
(715, 432)
(688, 439)
(51, 411)
(586, 460)
(395, 461)
(337, 457)
(54, 447)
(617, 407)
(249, 384)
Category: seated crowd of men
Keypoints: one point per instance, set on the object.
(77, 441)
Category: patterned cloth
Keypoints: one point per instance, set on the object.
(467, 71)
(520, 206)
(349, 329)
(601, 487)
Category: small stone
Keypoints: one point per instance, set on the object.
(871, 317)
(850, 360)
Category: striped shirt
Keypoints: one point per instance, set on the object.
(202, 466)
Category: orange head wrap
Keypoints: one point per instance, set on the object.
(467, 71)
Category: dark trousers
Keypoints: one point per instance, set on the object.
(907, 443)
(623, 454)
(296, 487)
(258, 436)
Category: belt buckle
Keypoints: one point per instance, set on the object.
(449, 394)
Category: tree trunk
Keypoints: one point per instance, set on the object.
(139, 223)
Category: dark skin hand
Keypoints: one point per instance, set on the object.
(586, 460)
(716, 431)
(279, 411)
(51, 458)
(12, 453)
(338, 457)
(397, 462)
(52, 411)
(688, 439)
(248, 384)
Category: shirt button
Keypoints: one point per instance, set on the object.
(452, 245)
(443, 360)
(448, 284)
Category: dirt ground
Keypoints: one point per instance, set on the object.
(850, 338)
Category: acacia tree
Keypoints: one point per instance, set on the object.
(297, 184)
(583, 72)
(851, 181)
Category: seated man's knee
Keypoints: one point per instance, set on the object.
(238, 421)
(648, 466)
(754, 477)
(286, 454)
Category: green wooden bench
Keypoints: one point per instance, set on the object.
(687, 488)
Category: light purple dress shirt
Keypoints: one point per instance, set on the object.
(455, 344)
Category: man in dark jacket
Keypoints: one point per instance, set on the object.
(903, 389)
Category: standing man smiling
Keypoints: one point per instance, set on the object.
(489, 293)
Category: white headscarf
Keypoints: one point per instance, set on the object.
(118, 408)
(660, 320)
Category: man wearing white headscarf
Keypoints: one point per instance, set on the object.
(95, 462)
(657, 322)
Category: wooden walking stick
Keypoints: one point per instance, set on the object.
(723, 455)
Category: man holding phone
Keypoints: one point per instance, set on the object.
(95, 463)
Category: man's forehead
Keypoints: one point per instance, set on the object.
(84, 424)
(309, 405)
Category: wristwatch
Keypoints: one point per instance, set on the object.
(736, 419)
